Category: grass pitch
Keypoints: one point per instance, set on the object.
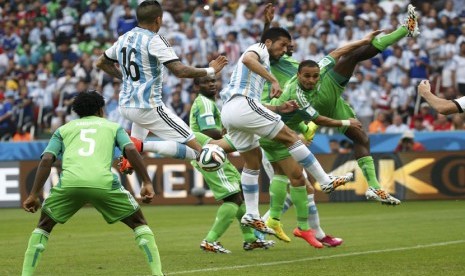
(415, 238)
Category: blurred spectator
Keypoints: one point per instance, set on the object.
(111, 107)
(441, 123)
(42, 97)
(63, 25)
(360, 99)
(418, 125)
(41, 29)
(379, 124)
(445, 60)
(22, 136)
(404, 98)
(397, 125)
(127, 21)
(419, 65)
(396, 66)
(458, 122)
(407, 143)
(458, 74)
(7, 124)
(177, 105)
(425, 116)
(93, 21)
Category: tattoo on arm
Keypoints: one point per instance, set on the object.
(183, 71)
(109, 67)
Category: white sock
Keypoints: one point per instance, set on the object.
(314, 218)
(171, 149)
(303, 155)
(249, 181)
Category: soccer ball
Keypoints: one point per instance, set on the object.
(212, 158)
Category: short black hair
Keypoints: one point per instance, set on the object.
(274, 34)
(88, 103)
(148, 10)
(307, 63)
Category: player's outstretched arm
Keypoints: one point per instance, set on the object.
(135, 159)
(442, 106)
(32, 202)
(108, 66)
(351, 46)
(181, 70)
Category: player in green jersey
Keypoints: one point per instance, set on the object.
(87, 145)
(336, 71)
(205, 121)
(285, 168)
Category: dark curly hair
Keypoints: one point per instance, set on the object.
(88, 103)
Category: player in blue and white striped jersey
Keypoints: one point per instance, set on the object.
(141, 54)
(246, 120)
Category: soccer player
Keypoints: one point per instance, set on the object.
(246, 119)
(442, 106)
(326, 97)
(285, 168)
(141, 54)
(205, 121)
(87, 145)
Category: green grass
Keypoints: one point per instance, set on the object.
(416, 238)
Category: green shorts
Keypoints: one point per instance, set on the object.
(328, 101)
(114, 205)
(274, 151)
(223, 182)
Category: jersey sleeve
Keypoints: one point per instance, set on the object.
(111, 54)
(122, 139)
(162, 50)
(205, 118)
(55, 145)
(308, 113)
(460, 102)
(326, 63)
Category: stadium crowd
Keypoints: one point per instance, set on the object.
(48, 50)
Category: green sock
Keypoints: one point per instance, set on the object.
(381, 42)
(224, 217)
(146, 242)
(368, 168)
(35, 247)
(247, 232)
(278, 192)
(300, 200)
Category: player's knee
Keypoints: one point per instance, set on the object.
(297, 180)
(286, 136)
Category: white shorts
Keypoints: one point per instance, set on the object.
(161, 121)
(247, 120)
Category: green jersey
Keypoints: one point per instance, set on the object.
(87, 146)
(282, 70)
(293, 91)
(204, 115)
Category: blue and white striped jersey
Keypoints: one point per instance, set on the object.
(141, 55)
(243, 80)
